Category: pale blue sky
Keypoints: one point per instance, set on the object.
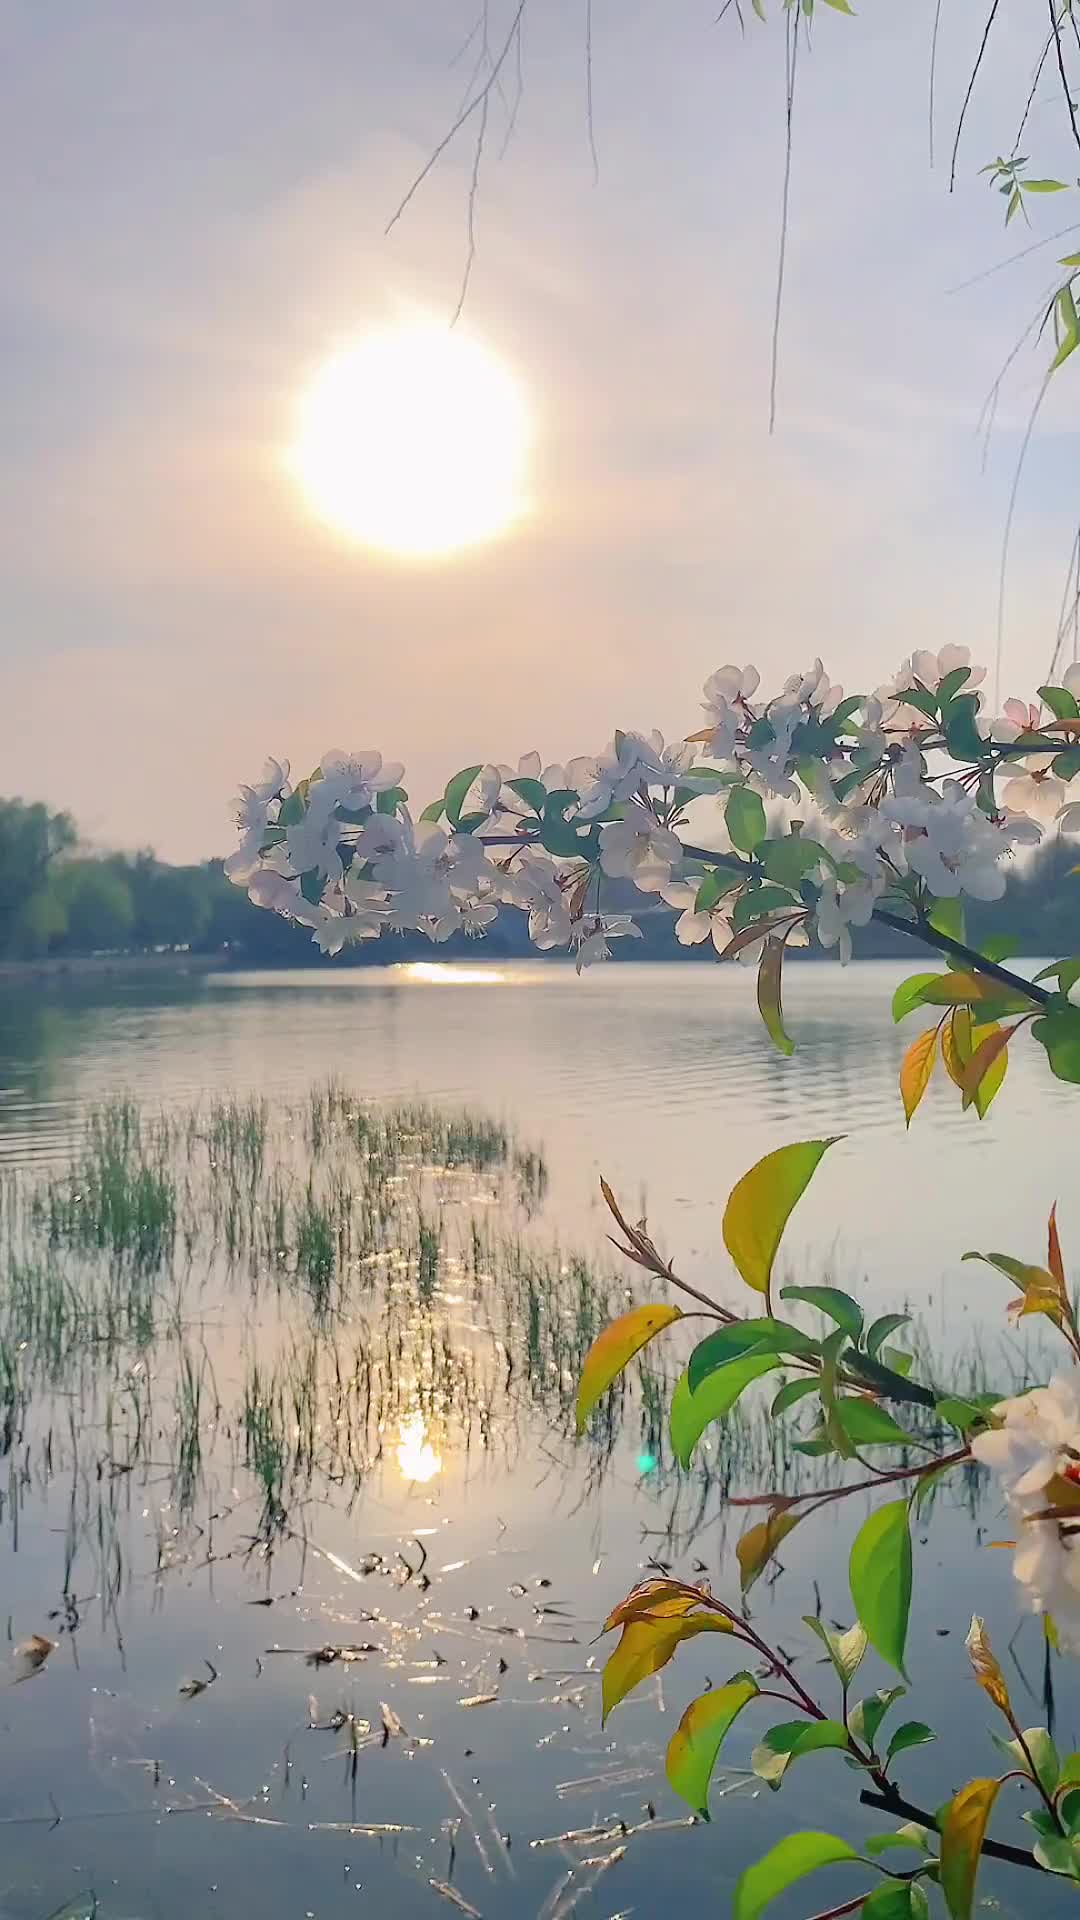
(193, 200)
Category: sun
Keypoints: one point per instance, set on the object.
(414, 440)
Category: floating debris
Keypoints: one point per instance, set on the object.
(480, 1699)
(456, 1900)
(190, 1689)
(30, 1656)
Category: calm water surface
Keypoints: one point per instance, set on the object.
(230, 1453)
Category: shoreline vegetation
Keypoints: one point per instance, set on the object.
(68, 911)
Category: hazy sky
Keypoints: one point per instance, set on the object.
(194, 199)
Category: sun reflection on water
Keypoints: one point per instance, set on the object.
(416, 1456)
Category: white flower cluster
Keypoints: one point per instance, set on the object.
(896, 793)
(1036, 1455)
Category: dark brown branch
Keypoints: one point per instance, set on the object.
(994, 1849)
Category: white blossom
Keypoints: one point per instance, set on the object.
(948, 840)
(726, 692)
(814, 689)
(353, 780)
(1033, 789)
(772, 763)
(638, 848)
(552, 778)
(251, 814)
(692, 927)
(839, 908)
(1070, 679)
(1039, 1441)
(927, 670)
(592, 933)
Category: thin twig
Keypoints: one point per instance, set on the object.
(933, 75)
(1007, 535)
(1036, 77)
(474, 187)
(991, 17)
(589, 91)
(1055, 29)
(474, 106)
(791, 55)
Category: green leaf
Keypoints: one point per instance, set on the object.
(1044, 1756)
(790, 1861)
(456, 789)
(773, 1755)
(1059, 1033)
(865, 1718)
(760, 1205)
(715, 884)
(1066, 765)
(910, 1838)
(745, 817)
(961, 734)
(963, 1830)
(947, 916)
(1066, 972)
(1061, 702)
(922, 700)
(964, 1415)
(311, 886)
(692, 1412)
(533, 792)
(909, 994)
(791, 859)
(790, 1395)
(881, 1330)
(695, 1746)
(830, 1301)
(434, 811)
(841, 6)
(770, 1007)
(1043, 186)
(880, 1573)
(756, 902)
(951, 685)
(913, 1733)
(615, 1348)
(846, 1650)
(896, 1901)
(744, 1337)
(868, 1425)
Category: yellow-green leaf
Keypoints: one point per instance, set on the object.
(693, 1411)
(880, 1573)
(770, 971)
(987, 1051)
(655, 1600)
(760, 1542)
(615, 1349)
(986, 1668)
(963, 1831)
(646, 1646)
(916, 1071)
(693, 1750)
(788, 1862)
(761, 1203)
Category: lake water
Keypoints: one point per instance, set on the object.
(301, 1385)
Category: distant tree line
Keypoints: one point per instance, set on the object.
(59, 898)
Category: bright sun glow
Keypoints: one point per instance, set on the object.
(414, 440)
(416, 1456)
